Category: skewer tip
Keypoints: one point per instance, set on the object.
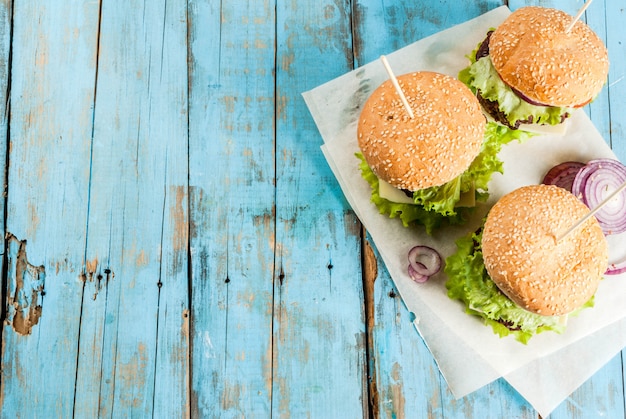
(396, 85)
(592, 212)
(578, 15)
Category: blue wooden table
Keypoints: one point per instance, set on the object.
(175, 244)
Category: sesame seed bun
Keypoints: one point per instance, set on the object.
(525, 261)
(535, 56)
(434, 147)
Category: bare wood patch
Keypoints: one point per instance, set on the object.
(370, 273)
(25, 288)
(397, 390)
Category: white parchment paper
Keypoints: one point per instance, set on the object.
(468, 353)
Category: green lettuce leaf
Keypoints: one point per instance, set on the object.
(469, 282)
(436, 205)
(481, 76)
(409, 214)
(442, 199)
(487, 162)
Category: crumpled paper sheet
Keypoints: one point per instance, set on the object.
(469, 354)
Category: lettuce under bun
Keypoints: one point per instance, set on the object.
(502, 103)
(436, 206)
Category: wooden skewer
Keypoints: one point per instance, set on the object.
(395, 83)
(580, 13)
(592, 212)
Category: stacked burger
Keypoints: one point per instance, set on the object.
(531, 72)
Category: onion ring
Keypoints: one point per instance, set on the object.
(415, 276)
(593, 183)
(616, 268)
(526, 98)
(563, 174)
(424, 262)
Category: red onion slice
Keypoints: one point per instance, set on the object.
(616, 268)
(563, 174)
(535, 103)
(415, 276)
(526, 98)
(424, 260)
(617, 254)
(594, 182)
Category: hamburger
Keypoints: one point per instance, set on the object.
(530, 71)
(431, 168)
(516, 275)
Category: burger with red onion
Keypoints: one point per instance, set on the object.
(531, 71)
(518, 274)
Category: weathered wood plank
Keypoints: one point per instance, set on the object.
(6, 13)
(319, 325)
(385, 26)
(615, 15)
(599, 109)
(134, 326)
(232, 206)
(52, 94)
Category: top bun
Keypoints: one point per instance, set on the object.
(436, 146)
(525, 261)
(533, 54)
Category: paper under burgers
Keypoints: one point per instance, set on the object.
(516, 275)
(531, 71)
(430, 168)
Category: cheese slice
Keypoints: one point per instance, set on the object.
(540, 129)
(393, 194)
(467, 199)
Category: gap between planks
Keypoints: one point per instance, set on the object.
(370, 272)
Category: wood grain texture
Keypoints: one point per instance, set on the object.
(318, 305)
(134, 324)
(50, 129)
(102, 203)
(6, 14)
(615, 16)
(232, 207)
(382, 27)
(139, 186)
